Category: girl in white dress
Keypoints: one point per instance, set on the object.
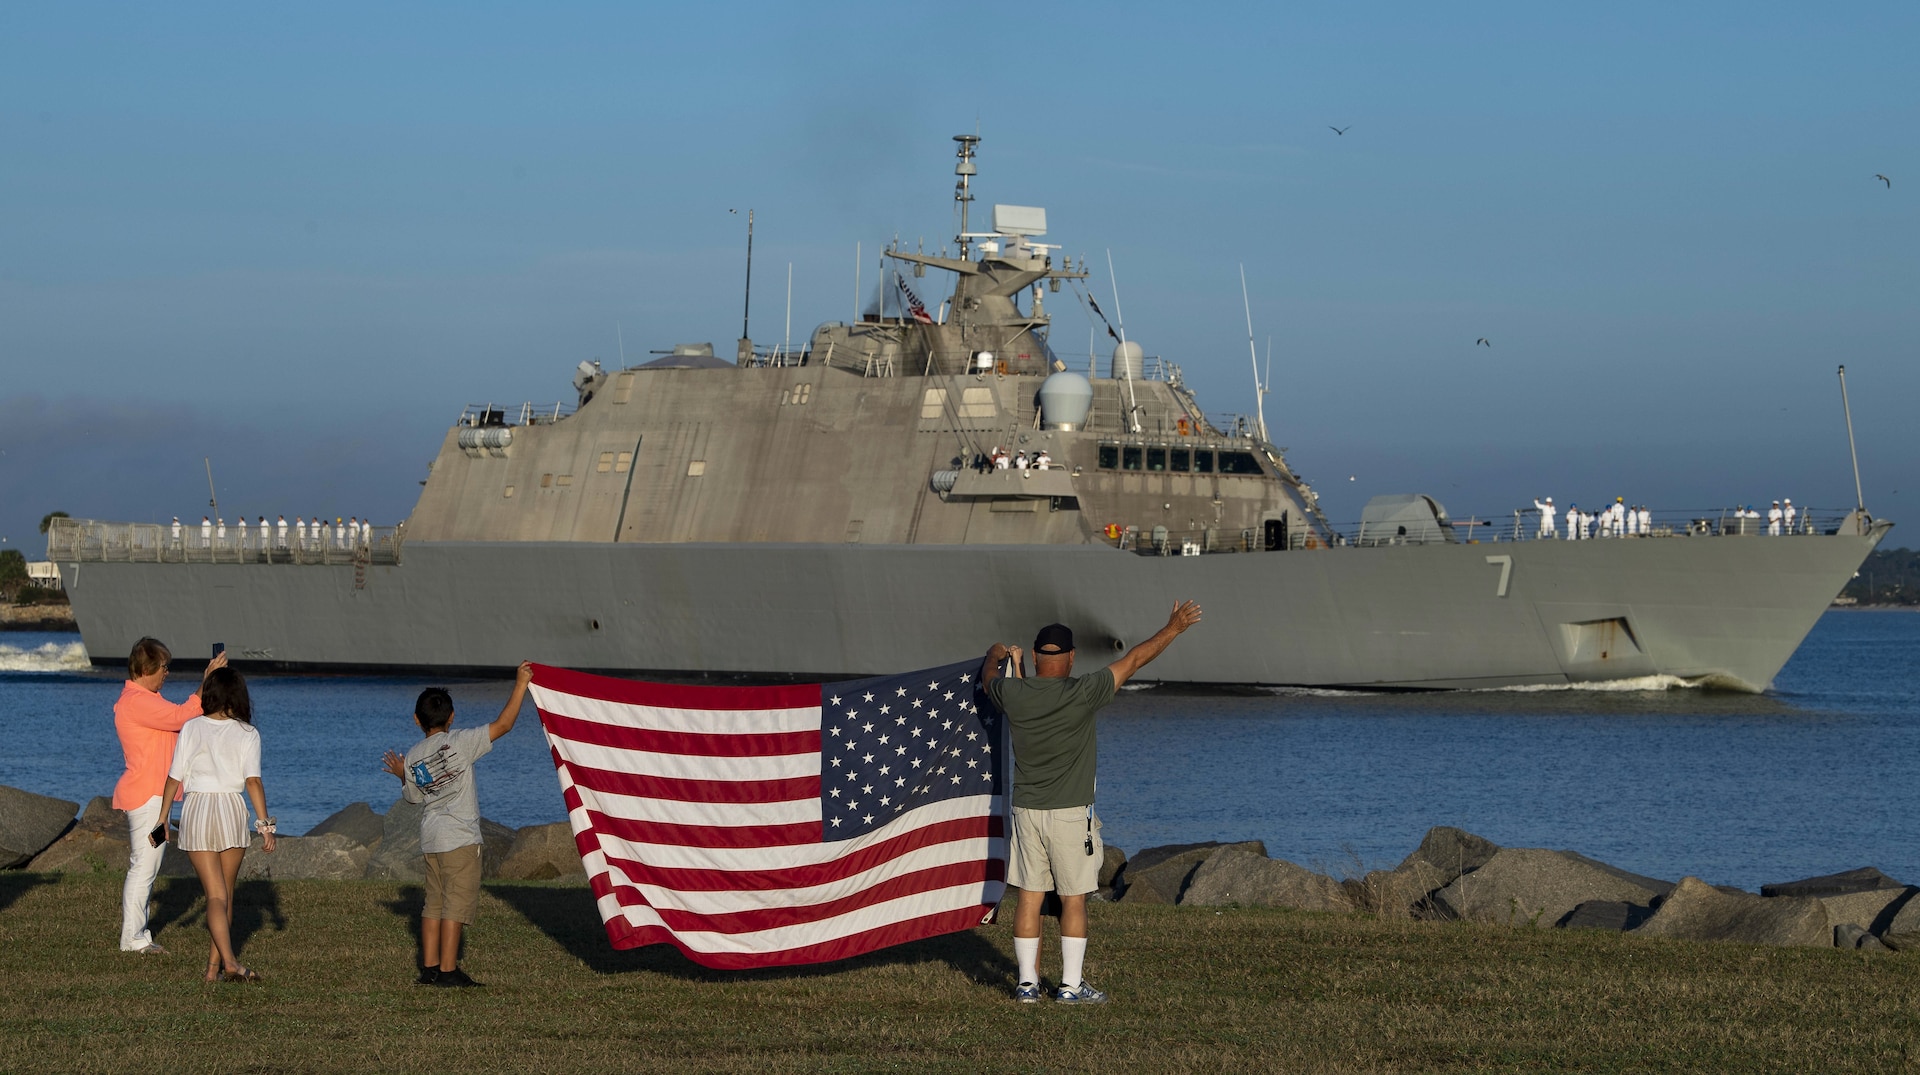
(217, 761)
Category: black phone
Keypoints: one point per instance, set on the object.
(159, 834)
(219, 648)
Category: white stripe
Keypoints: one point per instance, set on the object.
(970, 849)
(679, 812)
(667, 719)
(686, 766)
(782, 938)
(756, 859)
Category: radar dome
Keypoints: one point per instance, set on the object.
(1065, 399)
(1128, 361)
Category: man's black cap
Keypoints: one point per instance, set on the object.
(1053, 639)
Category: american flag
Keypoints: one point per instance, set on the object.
(914, 307)
(761, 826)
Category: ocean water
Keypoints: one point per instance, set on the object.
(1815, 776)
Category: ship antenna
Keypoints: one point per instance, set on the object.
(213, 498)
(621, 335)
(1253, 356)
(963, 190)
(1126, 360)
(746, 338)
(1859, 498)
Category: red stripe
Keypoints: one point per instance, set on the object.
(718, 745)
(687, 879)
(625, 935)
(661, 832)
(695, 791)
(972, 871)
(672, 696)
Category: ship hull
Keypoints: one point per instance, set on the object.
(1726, 611)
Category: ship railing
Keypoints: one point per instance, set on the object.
(96, 541)
(1165, 541)
(1525, 524)
(482, 415)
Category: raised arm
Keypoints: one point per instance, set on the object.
(503, 723)
(990, 667)
(1185, 615)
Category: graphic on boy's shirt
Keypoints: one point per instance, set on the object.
(434, 772)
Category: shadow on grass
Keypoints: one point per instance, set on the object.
(568, 916)
(14, 885)
(255, 904)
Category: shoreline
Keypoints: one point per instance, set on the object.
(37, 618)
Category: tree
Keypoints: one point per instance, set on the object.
(46, 521)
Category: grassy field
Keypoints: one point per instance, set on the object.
(1194, 990)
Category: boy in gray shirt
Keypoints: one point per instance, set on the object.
(438, 772)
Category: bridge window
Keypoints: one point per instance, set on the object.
(1156, 459)
(1130, 457)
(1203, 462)
(934, 403)
(1182, 461)
(605, 464)
(1239, 463)
(1109, 456)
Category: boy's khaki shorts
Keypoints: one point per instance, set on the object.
(453, 884)
(1050, 851)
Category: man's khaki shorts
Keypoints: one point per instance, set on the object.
(453, 884)
(1050, 850)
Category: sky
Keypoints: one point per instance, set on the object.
(294, 243)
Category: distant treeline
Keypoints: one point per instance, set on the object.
(1889, 577)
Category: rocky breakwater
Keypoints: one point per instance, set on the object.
(41, 834)
(1457, 876)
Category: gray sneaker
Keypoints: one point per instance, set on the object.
(1027, 992)
(152, 949)
(1084, 993)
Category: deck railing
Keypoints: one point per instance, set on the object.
(91, 540)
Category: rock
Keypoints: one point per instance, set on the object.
(1160, 874)
(1616, 915)
(1697, 911)
(1534, 886)
(1848, 935)
(29, 824)
(334, 856)
(1452, 851)
(398, 856)
(356, 821)
(543, 853)
(1899, 922)
(1873, 910)
(100, 816)
(174, 862)
(1864, 879)
(1111, 865)
(1237, 875)
(83, 851)
(1400, 892)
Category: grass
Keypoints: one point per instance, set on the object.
(1194, 990)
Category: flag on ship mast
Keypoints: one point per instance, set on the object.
(765, 826)
(914, 308)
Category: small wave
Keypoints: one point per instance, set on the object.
(1319, 692)
(52, 657)
(1634, 684)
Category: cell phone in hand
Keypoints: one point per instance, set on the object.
(219, 648)
(159, 834)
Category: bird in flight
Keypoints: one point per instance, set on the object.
(1885, 180)
(1340, 130)
(1482, 342)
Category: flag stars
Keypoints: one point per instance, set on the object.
(899, 781)
(868, 790)
(835, 700)
(836, 822)
(971, 736)
(851, 775)
(901, 719)
(933, 686)
(902, 692)
(835, 730)
(885, 709)
(883, 770)
(966, 679)
(884, 801)
(867, 758)
(947, 696)
(883, 740)
(868, 819)
(868, 697)
(900, 751)
(835, 761)
(851, 714)
(835, 792)
(867, 727)
(916, 703)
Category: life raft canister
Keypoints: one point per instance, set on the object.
(1185, 429)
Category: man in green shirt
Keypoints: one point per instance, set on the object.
(1056, 837)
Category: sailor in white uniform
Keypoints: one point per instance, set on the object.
(1545, 508)
(1646, 520)
(1773, 520)
(1787, 513)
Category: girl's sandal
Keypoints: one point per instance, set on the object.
(241, 975)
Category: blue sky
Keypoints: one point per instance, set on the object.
(299, 242)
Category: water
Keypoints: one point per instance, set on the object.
(1810, 778)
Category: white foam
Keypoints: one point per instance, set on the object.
(1631, 684)
(52, 657)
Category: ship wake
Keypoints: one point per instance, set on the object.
(52, 657)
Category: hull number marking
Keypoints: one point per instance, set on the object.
(1506, 573)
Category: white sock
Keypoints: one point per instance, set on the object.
(1027, 951)
(1073, 954)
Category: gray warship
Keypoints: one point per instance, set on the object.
(839, 509)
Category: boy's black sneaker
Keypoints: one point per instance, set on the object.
(456, 978)
(428, 976)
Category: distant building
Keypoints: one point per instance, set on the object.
(45, 574)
